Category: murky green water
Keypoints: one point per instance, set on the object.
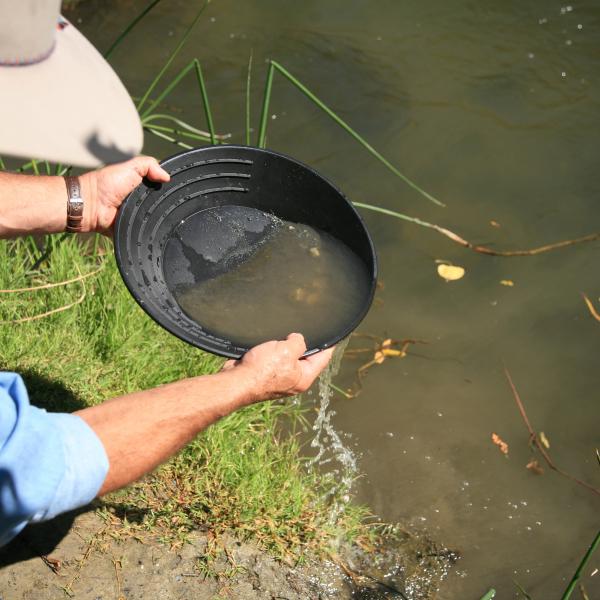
(493, 108)
(294, 278)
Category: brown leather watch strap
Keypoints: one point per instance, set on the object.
(74, 205)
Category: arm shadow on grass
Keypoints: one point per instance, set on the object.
(47, 393)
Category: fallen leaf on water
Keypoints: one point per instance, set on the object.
(507, 282)
(544, 439)
(393, 352)
(591, 307)
(534, 466)
(494, 223)
(500, 443)
(450, 272)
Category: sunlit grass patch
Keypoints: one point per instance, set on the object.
(242, 474)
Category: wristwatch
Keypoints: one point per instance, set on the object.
(74, 205)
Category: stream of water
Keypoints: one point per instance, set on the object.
(334, 458)
(493, 108)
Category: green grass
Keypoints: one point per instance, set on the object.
(241, 474)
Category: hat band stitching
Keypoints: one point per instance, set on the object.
(16, 62)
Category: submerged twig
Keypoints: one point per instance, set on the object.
(534, 439)
(476, 247)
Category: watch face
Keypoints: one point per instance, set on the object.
(75, 207)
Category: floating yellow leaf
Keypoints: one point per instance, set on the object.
(544, 439)
(500, 443)
(393, 352)
(507, 282)
(450, 272)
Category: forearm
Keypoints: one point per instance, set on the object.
(38, 204)
(141, 430)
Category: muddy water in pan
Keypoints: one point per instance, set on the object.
(293, 279)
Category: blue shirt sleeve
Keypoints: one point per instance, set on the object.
(49, 462)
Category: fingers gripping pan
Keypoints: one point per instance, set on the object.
(240, 231)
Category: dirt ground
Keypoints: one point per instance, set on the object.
(86, 558)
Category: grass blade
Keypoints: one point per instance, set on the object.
(298, 84)
(248, 99)
(168, 89)
(180, 132)
(184, 125)
(584, 561)
(129, 27)
(262, 131)
(171, 58)
(205, 103)
(168, 138)
(2, 165)
(489, 594)
(393, 213)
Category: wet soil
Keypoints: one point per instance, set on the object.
(88, 558)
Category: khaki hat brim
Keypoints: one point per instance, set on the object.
(70, 108)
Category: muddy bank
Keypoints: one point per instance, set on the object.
(90, 559)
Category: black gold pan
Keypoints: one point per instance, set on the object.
(208, 188)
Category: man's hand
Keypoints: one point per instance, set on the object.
(277, 369)
(141, 430)
(104, 190)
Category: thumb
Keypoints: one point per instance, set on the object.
(147, 166)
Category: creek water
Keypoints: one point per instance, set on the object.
(493, 108)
